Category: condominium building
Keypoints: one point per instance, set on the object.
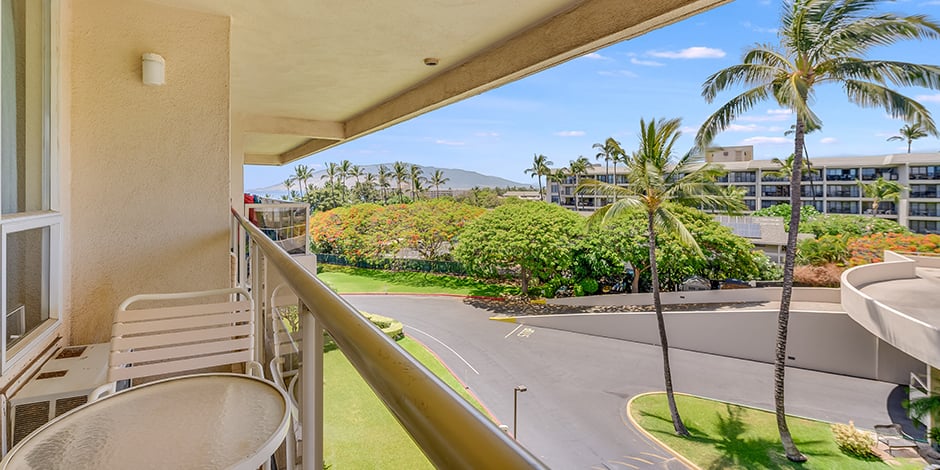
(831, 185)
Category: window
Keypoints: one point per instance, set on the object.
(841, 174)
(925, 172)
(842, 207)
(818, 205)
(924, 209)
(750, 204)
(775, 190)
(839, 190)
(30, 237)
(925, 226)
(814, 190)
(743, 177)
(924, 191)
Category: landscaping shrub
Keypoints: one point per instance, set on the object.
(827, 275)
(871, 248)
(589, 286)
(854, 442)
(850, 225)
(823, 250)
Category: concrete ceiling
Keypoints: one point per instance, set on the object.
(309, 75)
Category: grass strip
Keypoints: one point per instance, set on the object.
(358, 431)
(345, 279)
(726, 436)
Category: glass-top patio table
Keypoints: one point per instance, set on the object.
(204, 421)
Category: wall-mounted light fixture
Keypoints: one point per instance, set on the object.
(154, 69)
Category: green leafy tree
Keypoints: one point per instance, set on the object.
(881, 190)
(357, 232)
(910, 133)
(416, 177)
(536, 239)
(486, 198)
(850, 225)
(821, 41)
(658, 181)
(540, 167)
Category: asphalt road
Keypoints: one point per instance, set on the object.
(573, 414)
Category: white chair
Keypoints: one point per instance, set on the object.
(286, 347)
(164, 334)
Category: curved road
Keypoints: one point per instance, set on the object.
(573, 414)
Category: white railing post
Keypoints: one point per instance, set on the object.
(259, 293)
(311, 407)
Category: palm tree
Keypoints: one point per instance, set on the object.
(437, 179)
(541, 165)
(288, 183)
(785, 170)
(578, 168)
(356, 172)
(301, 175)
(384, 175)
(910, 133)
(415, 174)
(881, 190)
(342, 173)
(657, 183)
(821, 41)
(606, 154)
(400, 172)
(332, 170)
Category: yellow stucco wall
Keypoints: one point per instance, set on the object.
(149, 184)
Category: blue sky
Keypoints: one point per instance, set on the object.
(563, 111)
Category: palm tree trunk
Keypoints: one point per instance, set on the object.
(661, 322)
(783, 318)
(577, 182)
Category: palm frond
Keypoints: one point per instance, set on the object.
(666, 221)
(746, 74)
(882, 71)
(727, 113)
(873, 95)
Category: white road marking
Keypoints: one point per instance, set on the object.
(448, 348)
(526, 332)
(654, 455)
(617, 462)
(513, 331)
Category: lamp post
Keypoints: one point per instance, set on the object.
(515, 408)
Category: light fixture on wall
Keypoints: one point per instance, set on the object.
(154, 69)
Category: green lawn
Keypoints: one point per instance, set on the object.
(728, 436)
(358, 431)
(345, 279)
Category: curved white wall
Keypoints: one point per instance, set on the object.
(911, 335)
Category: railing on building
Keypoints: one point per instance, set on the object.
(450, 432)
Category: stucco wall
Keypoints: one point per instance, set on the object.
(764, 294)
(823, 341)
(149, 187)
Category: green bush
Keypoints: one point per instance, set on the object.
(854, 442)
(589, 286)
(823, 250)
(849, 225)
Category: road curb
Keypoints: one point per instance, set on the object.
(505, 319)
(653, 438)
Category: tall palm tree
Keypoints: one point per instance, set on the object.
(356, 172)
(881, 190)
(437, 179)
(384, 175)
(416, 175)
(332, 169)
(605, 153)
(541, 165)
(657, 183)
(302, 173)
(288, 183)
(821, 41)
(910, 133)
(400, 172)
(342, 173)
(578, 168)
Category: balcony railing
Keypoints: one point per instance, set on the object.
(450, 432)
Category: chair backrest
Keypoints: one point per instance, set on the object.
(197, 331)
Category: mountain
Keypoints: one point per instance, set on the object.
(459, 179)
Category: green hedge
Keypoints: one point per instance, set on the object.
(397, 264)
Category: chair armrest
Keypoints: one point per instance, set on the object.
(101, 391)
(255, 369)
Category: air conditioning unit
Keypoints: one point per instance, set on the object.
(62, 384)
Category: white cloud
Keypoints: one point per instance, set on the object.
(771, 116)
(570, 133)
(764, 140)
(596, 56)
(695, 52)
(828, 140)
(617, 73)
(454, 143)
(929, 98)
(689, 129)
(743, 128)
(647, 63)
(486, 134)
(779, 111)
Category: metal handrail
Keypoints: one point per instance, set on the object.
(450, 432)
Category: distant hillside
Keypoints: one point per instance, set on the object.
(459, 179)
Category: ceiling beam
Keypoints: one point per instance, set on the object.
(262, 159)
(280, 125)
(311, 146)
(591, 25)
